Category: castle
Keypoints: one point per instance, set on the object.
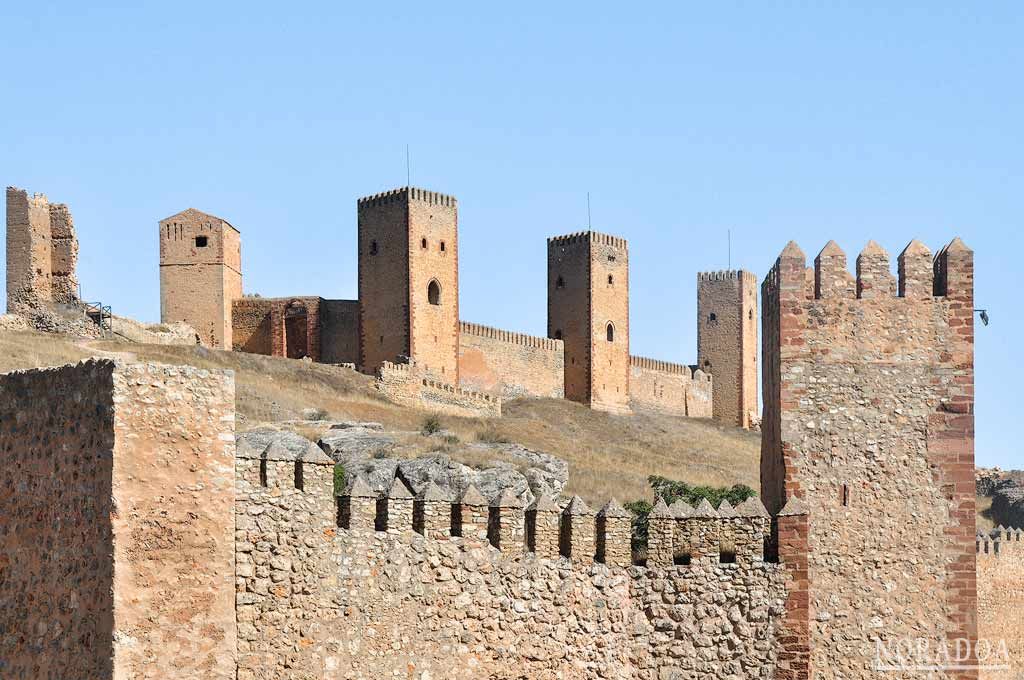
(139, 541)
(408, 311)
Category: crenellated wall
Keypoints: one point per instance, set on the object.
(409, 384)
(1001, 598)
(427, 586)
(868, 420)
(669, 388)
(510, 364)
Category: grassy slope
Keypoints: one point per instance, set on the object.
(608, 455)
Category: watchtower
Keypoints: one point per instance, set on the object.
(200, 274)
(869, 423)
(409, 280)
(28, 250)
(727, 342)
(588, 309)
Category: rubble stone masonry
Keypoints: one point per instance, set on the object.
(1001, 600)
(510, 364)
(669, 388)
(42, 253)
(116, 551)
(411, 385)
(868, 420)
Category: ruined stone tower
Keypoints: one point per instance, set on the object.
(200, 274)
(727, 342)
(42, 252)
(588, 309)
(409, 281)
(869, 422)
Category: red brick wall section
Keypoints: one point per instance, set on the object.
(383, 278)
(250, 323)
(510, 364)
(199, 283)
(260, 326)
(339, 331)
(793, 635)
(869, 421)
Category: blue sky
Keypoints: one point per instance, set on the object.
(776, 121)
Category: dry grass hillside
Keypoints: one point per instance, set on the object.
(608, 455)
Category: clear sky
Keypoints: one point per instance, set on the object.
(777, 121)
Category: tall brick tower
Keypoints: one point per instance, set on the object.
(727, 342)
(869, 423)
(588, 309)
(409, 280)
(200, 274)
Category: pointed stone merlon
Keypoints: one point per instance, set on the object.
(954, 272)
(506, 527)
(432, 512)
(660, 543)
(916, 276)
(471, 515)
(543, 522)
(701, 536)
(831, 277)
(787, 279)
(577, 541)
(874, 277)
(751, 530)
(279, 472)
(357, 506)
(397, 507)
(614, 535)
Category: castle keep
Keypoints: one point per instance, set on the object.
(408, 312)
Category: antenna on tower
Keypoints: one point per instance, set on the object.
(728, 236)
(408, 168)
(588, 211)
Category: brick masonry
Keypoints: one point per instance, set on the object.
(727, 342)
(200, 274)
(116, 551)
(868, 420)
(588, 308)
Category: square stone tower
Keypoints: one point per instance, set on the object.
(409, 281)
(727, 342)
(588, 309)
(42, 252)
(869, 423)
(200, 274)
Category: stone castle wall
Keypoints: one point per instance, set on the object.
(339, 331)
(117, 549)
(669, 388)
(42, 253)
(869, 421)
(727, 342)
(409, 384)
(430, 587)
(1001, 599)
(510, 364)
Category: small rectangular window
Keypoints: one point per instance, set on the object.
(201, 241)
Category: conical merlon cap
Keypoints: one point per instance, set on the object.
(958, 246)
(915, 247)
(507, 499)
(791, 251)
(544, 503)
(399, 489)
(577, 507)
(872, 249)
(725, 509)
(831, 249)
(432, 492)
(704, 510)
(681, 509)
(660, 509)
(359, 489)
(752, 507)
(613, 509)
(472, 496)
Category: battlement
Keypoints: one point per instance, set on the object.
(920, 275)
(512, 337)
(587, 237)
(409, 384)
(725, 275)
(407, 193)
(1001, 542)
(658, 365)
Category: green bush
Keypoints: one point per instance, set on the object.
(339, 479)
(431, 425)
